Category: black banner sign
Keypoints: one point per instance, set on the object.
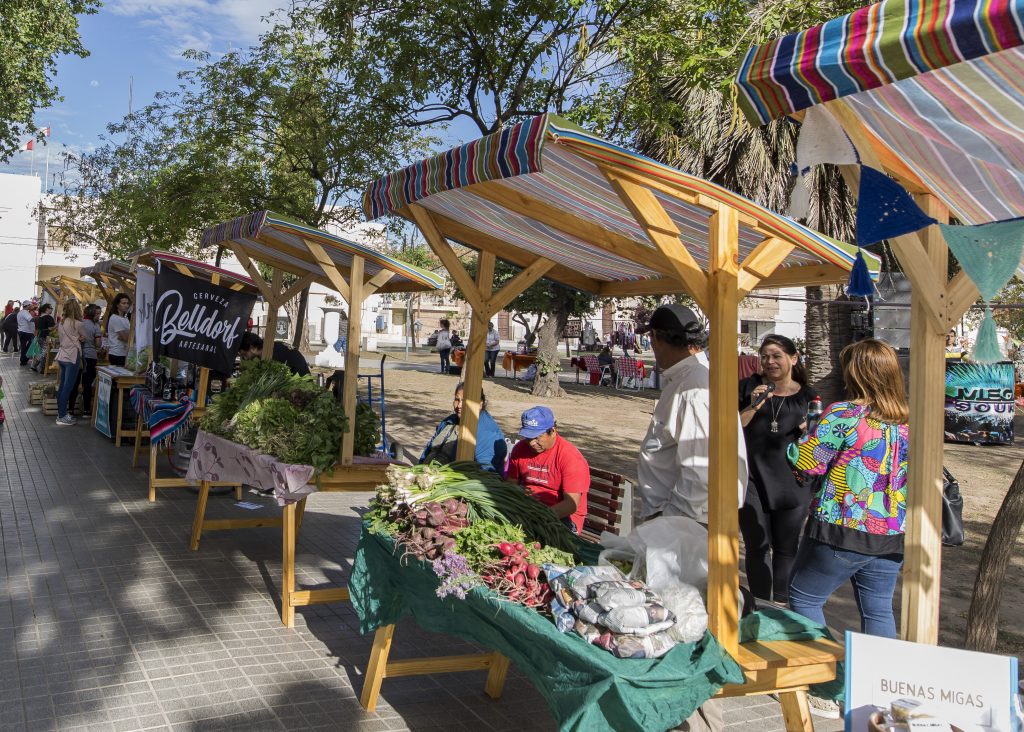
(197, 321)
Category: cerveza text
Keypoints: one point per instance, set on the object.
(173, 321)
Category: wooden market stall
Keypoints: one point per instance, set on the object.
(930, 94)
(561, 203)
(356, 271)
(153, 260)
(62, 288)
(111, 276)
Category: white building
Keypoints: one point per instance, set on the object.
(19, 235)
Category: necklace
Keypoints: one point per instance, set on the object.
(776, 412)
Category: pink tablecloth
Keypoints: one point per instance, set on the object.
(217, 459)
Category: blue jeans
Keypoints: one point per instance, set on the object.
(821, 569)
(68, 383)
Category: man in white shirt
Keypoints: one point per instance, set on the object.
(26, 329)
(673, 464)
(491, 348)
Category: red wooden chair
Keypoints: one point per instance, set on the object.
(596, 371)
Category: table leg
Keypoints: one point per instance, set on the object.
(376, 667)
(238, 492)
(120, 414)
(300, 511)
(288, 565)
(796, 712)
(496, 675)
(138, 441)
(197, 522)
(152, 476)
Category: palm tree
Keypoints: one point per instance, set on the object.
(711, 140)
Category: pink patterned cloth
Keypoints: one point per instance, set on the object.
(217, 459)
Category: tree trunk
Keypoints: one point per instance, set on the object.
(297, 312)
(548, 362)
(826, 333)
(983, 617)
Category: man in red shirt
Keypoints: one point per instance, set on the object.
(550, 468)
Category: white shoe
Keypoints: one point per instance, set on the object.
(824, 708)
(65, 421)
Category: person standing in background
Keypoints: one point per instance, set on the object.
(26, 329)
(444, 345)
(491, 348)
(91, 338)
(117, 329)
(775, 509)
(8, 308)
(10, 330)
(69, 358)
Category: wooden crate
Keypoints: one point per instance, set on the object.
(49, 407)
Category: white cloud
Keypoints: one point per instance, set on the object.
(201, 24)
(94, 83)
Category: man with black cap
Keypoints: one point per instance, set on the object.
(674, 455)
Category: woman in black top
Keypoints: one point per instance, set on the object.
(773, 514)
(44, 323)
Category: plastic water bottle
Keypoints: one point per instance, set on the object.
(813, 414)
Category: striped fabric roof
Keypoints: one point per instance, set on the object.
(939, 82)
(551, 160)
(276, 240)
(195, 268)
(108, 266)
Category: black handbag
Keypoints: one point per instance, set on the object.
(952, 510)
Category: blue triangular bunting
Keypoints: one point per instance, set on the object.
(885, 209)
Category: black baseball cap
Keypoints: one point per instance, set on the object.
(672, 318)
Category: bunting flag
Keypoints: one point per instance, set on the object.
(989, 254)
(885, 209)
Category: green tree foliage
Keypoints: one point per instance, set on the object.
(33, 33)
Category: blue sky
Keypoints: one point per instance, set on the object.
(141, 40)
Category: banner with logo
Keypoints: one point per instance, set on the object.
(145, 293)
(104, 386)
(979, 402)
(197, 321)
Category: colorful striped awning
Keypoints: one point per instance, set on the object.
(939, 82)
(276, 240)
(497, 187)
(194, 268)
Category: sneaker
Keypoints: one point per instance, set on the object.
(65, 421)
(824, 708)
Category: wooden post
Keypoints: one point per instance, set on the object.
(202, 387)
(377, 667)
(723, 473)
(287, 564)
(473, 366)
(923, 539)
(348, 399)
(272, 306)
(197, 522)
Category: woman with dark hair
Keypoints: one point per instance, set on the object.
(44, 324)
(491, 449)
(117, 329)
(444, 345)
(858, 514)
(773, 406)
(90, 332)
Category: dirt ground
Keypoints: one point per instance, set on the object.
(607, 425)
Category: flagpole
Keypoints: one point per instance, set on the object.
(32, 164)
(47, 177)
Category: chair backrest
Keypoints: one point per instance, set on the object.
(628, 367)
(609, 505)
(592, 365)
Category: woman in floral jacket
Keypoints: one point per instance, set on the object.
(857, 516)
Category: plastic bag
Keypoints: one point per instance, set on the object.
(675, 550)
(685, 602)
(34, 350)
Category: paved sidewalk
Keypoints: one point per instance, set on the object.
(109, 622)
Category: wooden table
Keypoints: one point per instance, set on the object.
(361, 477)
(123, 384)
(515, 361)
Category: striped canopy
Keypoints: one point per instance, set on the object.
(938, 82)
(278, 241)
(156, 258)
(537, 189)
(114, 267)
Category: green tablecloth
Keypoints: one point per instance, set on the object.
(586, 687)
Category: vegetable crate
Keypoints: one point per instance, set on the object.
(49, 407)
(36, 392)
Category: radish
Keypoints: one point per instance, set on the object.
(532, 571)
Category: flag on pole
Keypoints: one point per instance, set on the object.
(45, 132)
(28, 145)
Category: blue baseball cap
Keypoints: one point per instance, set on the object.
(536, 421)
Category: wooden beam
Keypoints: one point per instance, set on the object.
(298, 286)
(348, 399)
(659, 286)
(922, 569)
(273, 303)
(380, 279)
(470, 237)
(661, 230)
(444, 252)
(473, 367)
(517, 285)
(329, 268)
(560, 220)
(723, 473)
(253, 270)
(807, 275)
(762, 262)
(961, 293)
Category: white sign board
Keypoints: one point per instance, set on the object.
(974, 691)
(145, 291)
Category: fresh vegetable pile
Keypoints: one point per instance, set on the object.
(278, 413)
(474, 528)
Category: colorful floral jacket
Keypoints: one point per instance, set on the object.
(864, 462)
